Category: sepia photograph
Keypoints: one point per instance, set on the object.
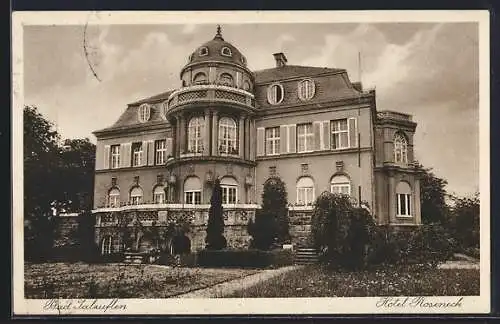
(250, 163)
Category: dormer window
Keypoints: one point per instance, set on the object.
(144, 112)
(203, 51)
(243, 60)
(191, 57)
(306, 89)
(275, 94)
(226, 51)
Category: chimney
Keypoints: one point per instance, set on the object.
(280, 59)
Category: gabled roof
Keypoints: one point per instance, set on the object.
(291, 71)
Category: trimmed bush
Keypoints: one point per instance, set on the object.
(244, 258)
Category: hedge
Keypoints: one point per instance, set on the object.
(244, 258)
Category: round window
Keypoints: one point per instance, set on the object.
(144, 112)
(203, 51)
(275, 94)
(164, 109)
(243, 60)
(306, 89)
(226, 51)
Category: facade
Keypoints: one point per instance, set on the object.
(310, 126)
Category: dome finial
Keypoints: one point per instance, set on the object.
(219, 34)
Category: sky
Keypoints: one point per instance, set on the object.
(428, 70)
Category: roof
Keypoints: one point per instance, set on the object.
(291, 71)
(159, 97)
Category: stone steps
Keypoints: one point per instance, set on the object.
(133, 258)
(306, 256)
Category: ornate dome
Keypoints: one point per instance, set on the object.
(219, 50)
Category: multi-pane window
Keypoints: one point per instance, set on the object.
(137, 154)
(229, 194)
(227, 136)
(305, 191)
(114, 198)
(403, 207)
(195, 134)
(136, 196)
(160, 152)
(400, 149)
(340, 184)
(340, 134)
(305, 138)
(115, 156)
(306, 89)
(272, 140)
(275, 94)
(107, 245)
(192, 197)
(144, 112)
(159, 195)
(226, 79)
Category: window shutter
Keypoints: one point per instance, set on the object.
(169, 147)
(106, 156)
(125, 155)
(145, 152)
(317, 135)
(353, 132)
(151, 152)
(292, 138)
(260, 141)
(283, 139)
(326, 135)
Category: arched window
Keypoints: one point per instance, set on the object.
(200, 78)
(246, 85)
(275, 94)
(107, 245)
(196, 127)
(114, 197)
(226, 51)
(203, 51)
(305, 191)
(340, 184)
(192, 191)
(227, 136)
(400, 149)
(306, 89)
(226, 79)
(136, 196)
(403, 199)
(229, 190)
(159, 195)
(144, 112)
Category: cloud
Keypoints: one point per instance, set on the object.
(189, 29)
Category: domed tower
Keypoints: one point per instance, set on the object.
(213, 125)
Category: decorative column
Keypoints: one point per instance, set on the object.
(253, 139)
(392, 199)
(206, 140)
(215, 133)
(247, 139)
(177, 139)
(182, 133)
(241, 137)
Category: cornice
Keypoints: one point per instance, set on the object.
(313, 153)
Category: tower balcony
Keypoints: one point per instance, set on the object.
(204, 95)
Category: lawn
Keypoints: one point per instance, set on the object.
(316, 281)
(81, 280)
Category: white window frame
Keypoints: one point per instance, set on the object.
(228, 131)
(226, 194)
(307, 192)
(243, 60)
(272, 140)
(160, 152)
(136, 199)
(115, 156)
(144, 112)
(337, 133)
(304, 137)
(337, 187)
(190, 197)
(400, 149)
(137, 155)
(196, 129)
(306, 89)
(226, 51)
(159, 195)
(272, 94)
(407, 205)
(114, 198)
(107, 245)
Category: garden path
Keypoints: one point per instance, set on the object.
(227, 288)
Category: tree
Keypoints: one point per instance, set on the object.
(274, 205)
(263, 231)
(41, 161)
(432, 197)
(465, 214)
(215, 239)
